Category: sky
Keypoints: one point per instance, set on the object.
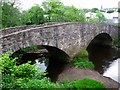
(26, 4)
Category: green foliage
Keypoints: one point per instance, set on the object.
(100, 16)
(94, 10)
(80, 60)
(30, 48)
(87, 10)
(85, 84)
(53, 10)
(43, 83)
(0, 15)
(71, 14)
(35, 15)
(57, 12)
(13, 76)
(81, 54)
(116, 41)
(10, 15)
(83, 63)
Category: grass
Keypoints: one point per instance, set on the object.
(85, 84)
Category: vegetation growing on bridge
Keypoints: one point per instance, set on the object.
(29, 76)
(116, 41)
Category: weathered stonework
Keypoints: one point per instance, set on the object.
(69, 37)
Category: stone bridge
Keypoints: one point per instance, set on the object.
(69, 37)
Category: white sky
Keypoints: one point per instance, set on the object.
(26, 4)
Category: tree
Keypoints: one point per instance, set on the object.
(35, 15)
(11, 2)
(57, 12)
(86, 10)
(72, 14)
(53, 9)
(0, 16)
(10, 15)
(118, 10)
(100, 16)
(94, 10)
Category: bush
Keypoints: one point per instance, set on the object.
(81, 54)
(80, 60)
(14, 76)
(83, 63)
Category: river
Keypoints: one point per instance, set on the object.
(113, 70)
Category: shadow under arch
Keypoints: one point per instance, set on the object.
(57, 59)
(100, 51)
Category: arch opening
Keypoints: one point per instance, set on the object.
(52, 59)
(101, 52)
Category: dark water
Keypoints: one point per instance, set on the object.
(106, 61)
(102, 56)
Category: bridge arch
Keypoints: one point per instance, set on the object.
(54, 61)
(53, 53)
(101, 39)
(100, 51)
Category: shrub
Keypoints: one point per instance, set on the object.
(81, 54)
(83, 63)
(80, 60)
(13, 76)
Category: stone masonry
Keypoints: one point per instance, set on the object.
(69, 37)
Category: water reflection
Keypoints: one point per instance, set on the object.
(42, 63)
(112, 71)
(101, 56)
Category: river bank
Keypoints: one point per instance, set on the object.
(71, 73)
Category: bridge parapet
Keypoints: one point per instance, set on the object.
(20, 28)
